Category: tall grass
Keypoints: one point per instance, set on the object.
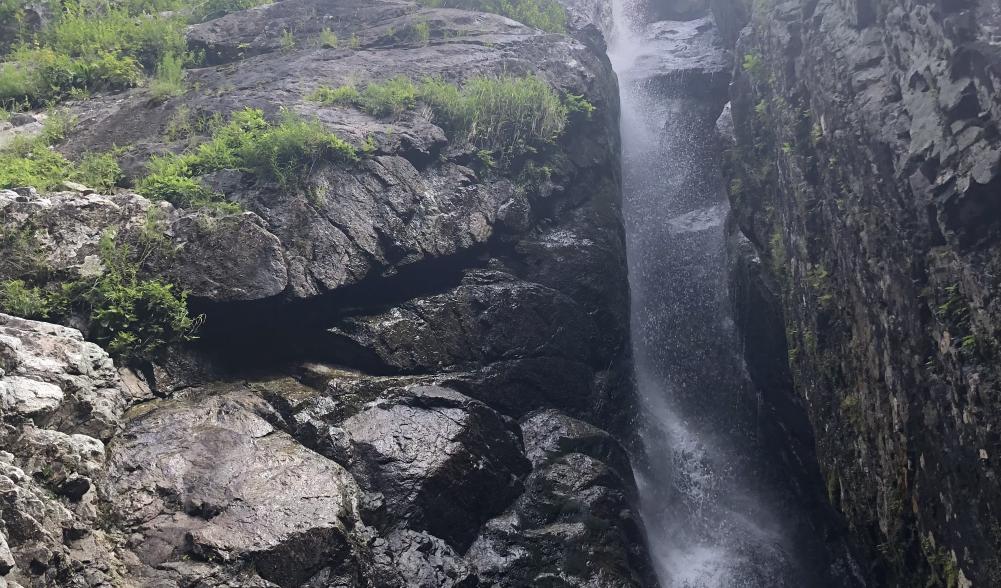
(547, 15)
(285, 151)
(105, 45)
(169, 78)
(505, 114)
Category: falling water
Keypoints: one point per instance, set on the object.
(701, 500)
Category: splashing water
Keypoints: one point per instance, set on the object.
(706, 522)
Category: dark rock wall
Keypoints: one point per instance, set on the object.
(866, 173)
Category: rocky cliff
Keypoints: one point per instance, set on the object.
(413, 366)
(866, 174)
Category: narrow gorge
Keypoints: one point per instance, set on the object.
(500, 293)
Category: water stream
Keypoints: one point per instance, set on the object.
(704, 507)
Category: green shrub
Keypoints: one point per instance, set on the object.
(93, 46)
(32, 163)
(420, 32)
(133, 318)
(510, 112)
(327, 38)
(17, 83)
(342, 95)
(391, 97)
(548, 15)
(169, 78)
(288, 151)
(18, 299)
(99, 171)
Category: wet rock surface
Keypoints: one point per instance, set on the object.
(363, 405)
(865, 175)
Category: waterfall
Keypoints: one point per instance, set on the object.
(708, 517)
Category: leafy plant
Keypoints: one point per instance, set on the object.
(32, 163)
(287, 40)
(134, 318)
(327, 38)
(752, 63)
(420, 32)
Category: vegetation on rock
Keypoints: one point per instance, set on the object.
(548, 15)
(509, 115)
(285, 152)
(95, 46)
(134, 318)
(32, 162)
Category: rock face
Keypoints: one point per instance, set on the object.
(412, 373)
(865, 173)
(61, 399)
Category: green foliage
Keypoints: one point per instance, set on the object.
(32, 163)
(211, 9)
(286, 152)
(99, 171)
(752, 63)
(420, 32)
(169, 78)
(327, 38)
(132, 317)
(346, 94)
(287, 40)
(95, 46)
(548, 15)
(170, 179)
(18, 299)
(508, 114)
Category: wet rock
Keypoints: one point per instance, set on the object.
(256, 270)
(866, 150)
(207, 476)
(427, 442)
(489, 317)
(573, 521)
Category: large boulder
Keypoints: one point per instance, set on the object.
(207, 476)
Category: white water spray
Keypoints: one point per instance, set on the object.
(706, 526)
